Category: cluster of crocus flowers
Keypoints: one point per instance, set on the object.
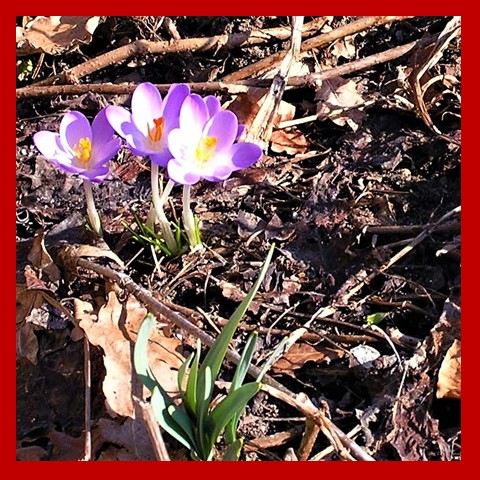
(82, 149)
(192, 137)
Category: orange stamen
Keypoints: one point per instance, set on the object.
(155, 134)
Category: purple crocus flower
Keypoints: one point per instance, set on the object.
(204, 144)
(146, 129)
(80, 148)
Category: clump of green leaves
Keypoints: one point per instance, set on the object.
(145, 235)
(196, 423)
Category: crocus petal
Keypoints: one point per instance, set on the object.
(240, 131)
(102, 131)
(73, 127)
(213, 105)
(172, 104)
(146, 106)
(193, 117)
(122, 122)
(181, 173)
(223, 126)
(161, 158)
(217, 173)
(67, 164)
(243, 155)
(48, 144)
(97, 175)
(182, 146)
(102, 153)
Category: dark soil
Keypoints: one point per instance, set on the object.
(318, 208)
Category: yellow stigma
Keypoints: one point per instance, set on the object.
(83, 150)
(205, 150)
(155, 134)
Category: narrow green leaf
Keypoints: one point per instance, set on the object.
(140, 354)
(238, 378)
(234, 404)
(274, 356)
(191, 392)
(245, 361)
(375, 318)
(216, 354)
(232, 454)
(181, 375)
(203, 402)
(165, 411)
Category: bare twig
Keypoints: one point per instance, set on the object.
(407, 249)
(241, 86)
(448, 227)
(154, 431)
(308, 440)
(87, 456)
(272, 61)
(261, 127)
(145, 47)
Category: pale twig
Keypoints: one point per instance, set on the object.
(87, 456)
(260, 130)
(308, 439)
(241, 86)
(145, 47)
(153, 428)
(272, 61)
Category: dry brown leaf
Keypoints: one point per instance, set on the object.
(301, 353)
(41, 259)
(449, 377)
(93, 251)
(55, 35)
(27, 343)
(340, 101)
(113, 329)
(130, 436)
(344, 47)
(65, 447)
(249, 223)
(31, 454)
(289, 140)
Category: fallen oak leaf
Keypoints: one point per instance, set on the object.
(113, 329)
(56, 34)
(301, 353)
(449, 383)
(339, 100)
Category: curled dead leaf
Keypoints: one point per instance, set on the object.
(449, 377)
(340, 101)
(55, 35)
(301, 353)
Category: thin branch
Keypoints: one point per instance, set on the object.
(241, 86)
(145, 47)
(272, 61)
(154, 431)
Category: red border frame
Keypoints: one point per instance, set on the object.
(281, 469)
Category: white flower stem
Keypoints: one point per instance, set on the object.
(189, 219)
(158, 203)
(92, 213)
